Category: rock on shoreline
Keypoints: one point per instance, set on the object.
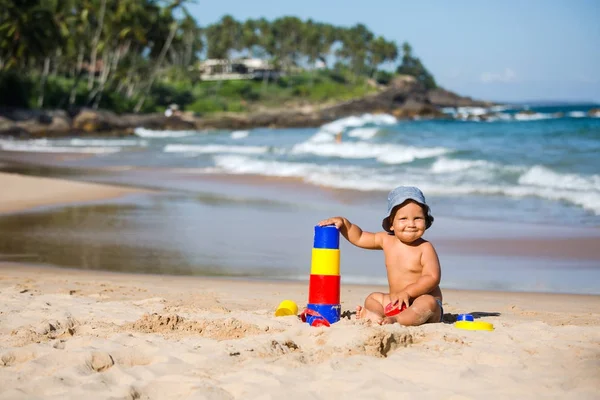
(404, 98)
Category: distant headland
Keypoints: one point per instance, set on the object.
(97, 68)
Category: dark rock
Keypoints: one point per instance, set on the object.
(444, 98)
(404, 97)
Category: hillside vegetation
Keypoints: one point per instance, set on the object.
(142, 55)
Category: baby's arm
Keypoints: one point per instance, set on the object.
(430, 275)
(353, 233)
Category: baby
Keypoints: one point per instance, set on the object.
(412, 264)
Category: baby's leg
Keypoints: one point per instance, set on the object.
(373, 308)
(422, 310)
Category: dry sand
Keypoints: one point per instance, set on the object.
(98, 335)
(95, 335)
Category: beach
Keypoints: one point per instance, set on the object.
(72, 333)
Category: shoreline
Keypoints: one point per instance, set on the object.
(476, 237)
(25, 192)
(589, 302)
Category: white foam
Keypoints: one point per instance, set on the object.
(358, 121)
(107, 142)
(543, 177)
(576, 114)
(214, 149)
(30, 147)
(445, 165)
(238, 164)
(409, 154)
(148, 133)
(475, 182)
(387, 154)
(466, 111)
(363, 133)
(239, 134)
(322, 137)
(532, 117)
(496, 109)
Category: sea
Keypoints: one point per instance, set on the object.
(242, 204)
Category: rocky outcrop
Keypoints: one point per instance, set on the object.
(444, 98)
(404, 98)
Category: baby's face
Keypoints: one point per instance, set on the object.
(408, 222)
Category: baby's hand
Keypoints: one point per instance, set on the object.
(337, 221)
(400, 298)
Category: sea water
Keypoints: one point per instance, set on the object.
(217, 216)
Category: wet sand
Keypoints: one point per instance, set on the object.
(21, 192)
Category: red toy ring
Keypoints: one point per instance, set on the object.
(393, 309)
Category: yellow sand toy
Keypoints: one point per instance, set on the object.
(467, 322)
(286, 307)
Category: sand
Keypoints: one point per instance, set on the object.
(19, 192)
(98, 335)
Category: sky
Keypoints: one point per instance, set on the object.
(510, 50)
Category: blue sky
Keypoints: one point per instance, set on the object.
(495, 50)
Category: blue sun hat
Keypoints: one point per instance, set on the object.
(399, 196)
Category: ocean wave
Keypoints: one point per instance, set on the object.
(238, 164)
(47, 147)
(498, 113)
(481, 169)
(546, 178)
(239, 134)
(108, 142)
(534, 116)
(386, 154)
(358, 121)
(214, 149)
(148, 133)
(553, 187)
(446, 165)
(363, 133)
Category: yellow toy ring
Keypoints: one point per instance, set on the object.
(474, 326)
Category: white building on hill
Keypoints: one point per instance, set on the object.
(245, 68)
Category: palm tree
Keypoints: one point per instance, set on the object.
(355, 42)
(412, 66)
(381, 51)
(95, 41)
(165, 48)
(28, 32)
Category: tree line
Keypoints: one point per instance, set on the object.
(98, 48)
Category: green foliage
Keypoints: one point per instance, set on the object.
(383, 77)
(128, 55)
(412, 66)
(209, 105)
(164, 95)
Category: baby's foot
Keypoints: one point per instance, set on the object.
(389, 320)
(363, 313)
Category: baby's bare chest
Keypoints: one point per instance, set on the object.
(403, 259)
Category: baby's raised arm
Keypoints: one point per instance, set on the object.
(353, 233)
